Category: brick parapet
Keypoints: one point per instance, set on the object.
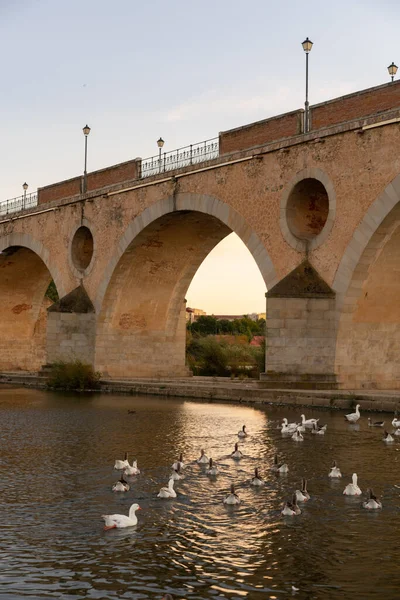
(68, 191)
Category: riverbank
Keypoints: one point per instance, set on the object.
(222, 389)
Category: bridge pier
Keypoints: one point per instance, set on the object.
(71, 329)
(301, 332)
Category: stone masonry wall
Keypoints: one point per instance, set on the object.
(70, 336)
(300, 335)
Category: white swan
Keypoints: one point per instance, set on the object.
(236, 454)
(212, 469)
(203, 459)
(279, 467)
(257, 480)
(308, 423)
(388, 438)
(397, 432)
(319, 430)
(302, 495)
(177, 473)
(353, 417)
(243, 433)
(352, 489)
(335, 471)
(180, 461)
(375, 423)
(120, 521)
(121, 464)
(132, 470)
(290, 509)
(232, 498)
(120, 486)
(297, 436)
(372, 501)
(167, 492)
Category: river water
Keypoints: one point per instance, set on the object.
(56, 472)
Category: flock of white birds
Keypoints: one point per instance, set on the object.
(291, 508)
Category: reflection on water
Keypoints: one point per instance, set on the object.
(56, 472)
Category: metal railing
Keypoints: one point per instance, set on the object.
(183, 157)
(19, 203)
(167, 161)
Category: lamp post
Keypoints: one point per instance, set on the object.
(307, 45)
(160, 144)
(86, 131)
(25, 187)
(392, 70)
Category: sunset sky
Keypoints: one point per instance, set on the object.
(135, 71)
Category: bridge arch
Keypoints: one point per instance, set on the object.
(367, 284)
(26, 272)
(25, 240)
(140, 302)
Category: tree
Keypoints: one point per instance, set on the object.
(205, 325)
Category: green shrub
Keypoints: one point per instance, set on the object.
(74, 375)
(215, 357)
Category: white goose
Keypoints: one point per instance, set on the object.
(203, 459)
(319, 430)
(212, 470)
(297, 436)
(177, 473)
(257, 480)
(180, 462)
(121, 485)
(388, 438)
(243, 433)
(352, 489)
(167, 492)
(279, 467)
(288, 428)
(335, 472)
(353, 417)
(308, 423)
(120, 521)
(372, 501)
(290, 509)
(302, 495)
(236, 454)
(132, 470)
(121, 464)
(396, 421)
(232, 498)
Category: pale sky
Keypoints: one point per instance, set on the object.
(135, 71)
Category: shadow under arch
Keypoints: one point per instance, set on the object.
(140, 302)
(25, 240)
(367, 286)
(25, 278)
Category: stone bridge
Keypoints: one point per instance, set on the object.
(319, 212)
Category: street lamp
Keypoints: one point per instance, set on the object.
(86, 131)
(160, 144)
(307, 45)
(392, 70)
(25, 187)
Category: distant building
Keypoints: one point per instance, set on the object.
(193, 313)
(252, 316)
